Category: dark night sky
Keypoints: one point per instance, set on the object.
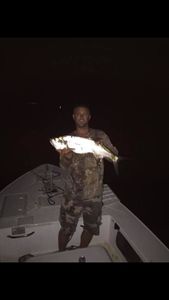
(126, 83)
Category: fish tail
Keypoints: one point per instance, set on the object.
(116, 167)
(114, 159)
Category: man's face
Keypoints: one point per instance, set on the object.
(81, 117)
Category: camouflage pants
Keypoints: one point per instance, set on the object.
(91, 210)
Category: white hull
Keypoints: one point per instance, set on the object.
(29, 225)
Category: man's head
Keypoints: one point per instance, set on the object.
(81, 116)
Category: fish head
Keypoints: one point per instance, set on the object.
(59, 143)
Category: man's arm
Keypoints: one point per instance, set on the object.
(65, 157)
(105, 140)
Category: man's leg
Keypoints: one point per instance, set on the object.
(69, 217)
(66, 231)
(92, 222)
(63, 239)
(86, 238)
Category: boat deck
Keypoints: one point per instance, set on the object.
(29, 212)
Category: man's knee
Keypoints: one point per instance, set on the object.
(93, 229)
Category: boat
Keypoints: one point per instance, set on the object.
(29, 225)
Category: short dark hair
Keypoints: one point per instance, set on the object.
(81, 105)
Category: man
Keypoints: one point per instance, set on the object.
(83, 192)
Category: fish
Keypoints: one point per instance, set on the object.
(82, 145)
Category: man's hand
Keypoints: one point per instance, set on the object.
(65, 152)
(99, 142)
(114, 150)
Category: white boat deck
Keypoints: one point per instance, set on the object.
(29, 211)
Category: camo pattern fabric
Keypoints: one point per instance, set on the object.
(83, 187)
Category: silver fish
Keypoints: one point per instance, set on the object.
(81, 145)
